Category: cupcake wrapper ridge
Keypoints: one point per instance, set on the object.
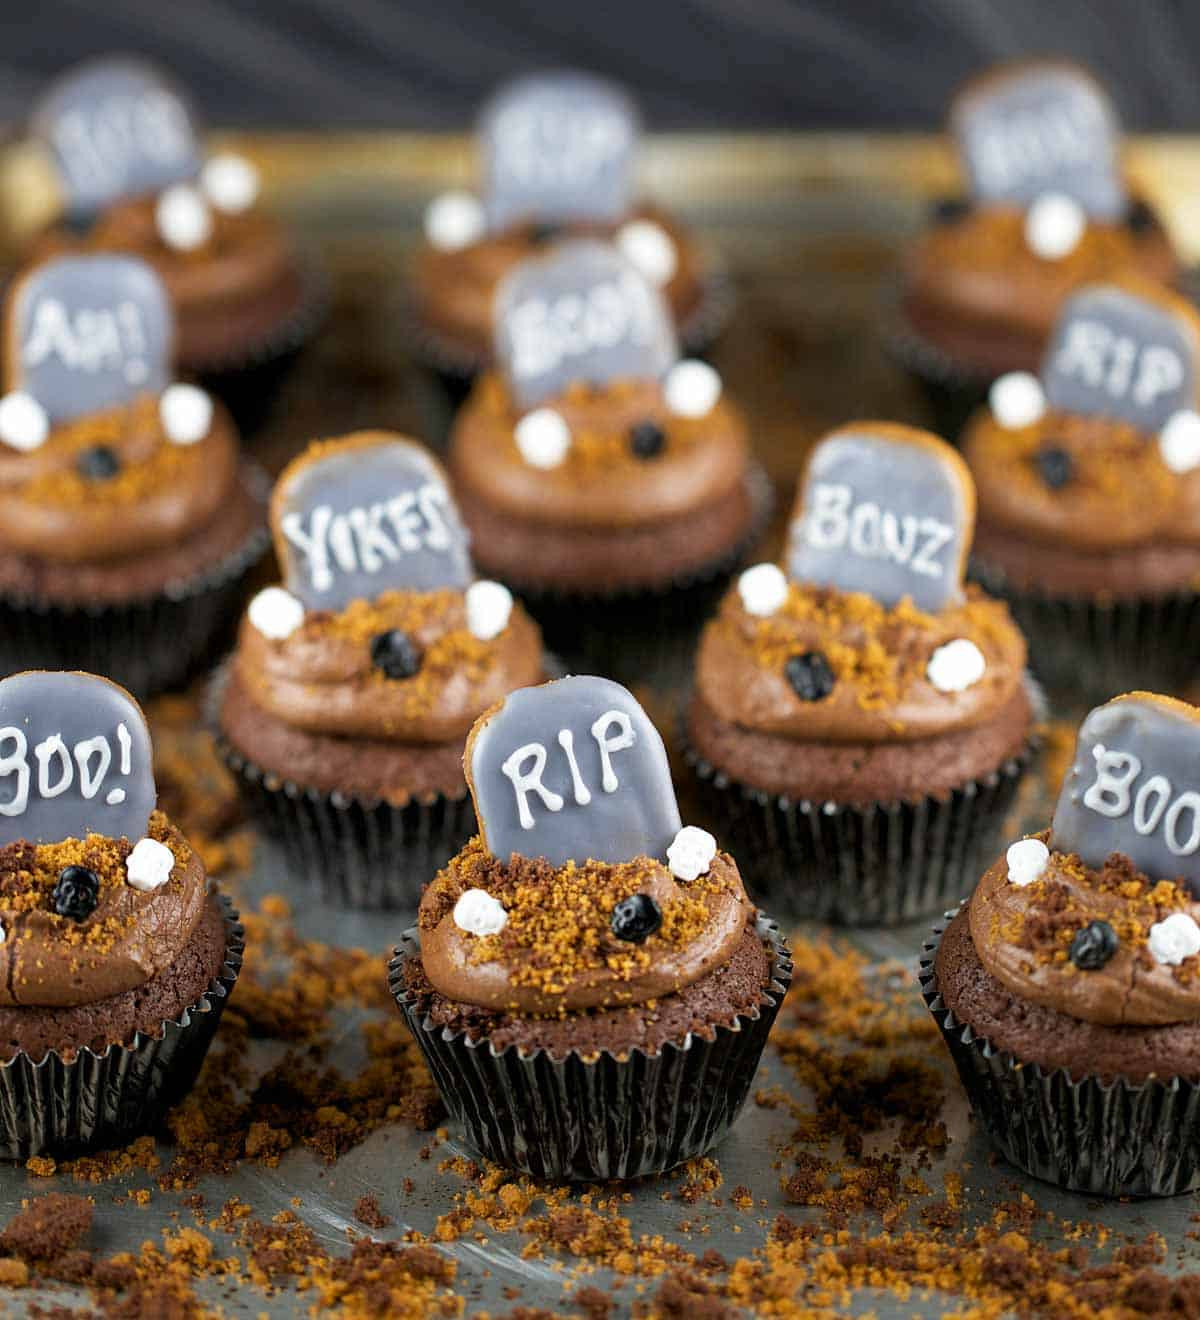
(63, 1106)
(590, 1120)
(150, 644)
(356, 852)
(1114, 1138)
(641, 635)
(1099, 648)
(876, 865)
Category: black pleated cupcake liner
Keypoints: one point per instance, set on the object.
(357, 852)
(883, 864)
(645, 636)
(93, 1100)
(592, 1119)
(1091, 650)
(150, 644)
(1115, 1138)
(952, 390)
(248, 382)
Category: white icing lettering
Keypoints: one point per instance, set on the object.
(15, 763)
(48, 748)
(529, 779)
(831, 521)
(89, 779)
(566, 740)
(625, 738)
(1116, 364)
(1115, 772)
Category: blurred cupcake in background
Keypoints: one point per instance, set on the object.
(132, 176)
(1048, 208)
(1089, 494)
(346, 706)
(861, 719)
(607, 482)
(128, 520)
(557, 158)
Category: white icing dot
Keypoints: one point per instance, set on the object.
(23, 421)
(763, 589)
(183, 218)
(691, 853)
(478, 913)
(692, 388)
(1054, 224)
(1174, 939)
(650, 248)
(543, 437)
(186, 412)
(230, 182)
(1017, 400)
(115, 796)
(1026, 860)
(149, 865)
(1179, 441)
(454, 220)
(956, 666)
(276, 613)
(489, 605)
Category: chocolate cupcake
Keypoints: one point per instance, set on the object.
(607, 482)
(557, 156)
(1068, 986)
(1049, 210)
(117, 954)
(1089, 493)
(128, 521)
(588, 982)
(133, 177)
(860, 721)
(346, 706)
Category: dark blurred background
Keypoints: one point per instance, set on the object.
(739, 64)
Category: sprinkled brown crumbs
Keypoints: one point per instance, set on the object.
(559, 917)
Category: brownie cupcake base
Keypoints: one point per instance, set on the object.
(62, 1101)
(607, 1114)
(1111, 1137)
(151, 642)
(880, 864)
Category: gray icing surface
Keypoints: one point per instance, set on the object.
(884, 516)
(116, 128)
(75, 759)
(1134, 788)
(1113, 354)
(583, 312)
(1037, 129)
(89, 333)
(572, 770)
(365, 519)
(558, 146)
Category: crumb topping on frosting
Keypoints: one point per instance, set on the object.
(557, 952)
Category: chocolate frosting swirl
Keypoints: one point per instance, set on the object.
(1120, 492)
(557, 953)
(162, 493)
(601, 483)
(980, 269)
(1023, 933)
(879, 658)
(131, 936)
(321, 677)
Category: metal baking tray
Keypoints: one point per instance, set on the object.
(810, 229)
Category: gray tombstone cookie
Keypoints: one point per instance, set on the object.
(369, 513)
(1134, 788)
(571, 770)
(1118, 354)
(583, 312)
(887, 510)
(116, 127)
(556, 147)
(1040, 126)
(75, 759)
(87, 333)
